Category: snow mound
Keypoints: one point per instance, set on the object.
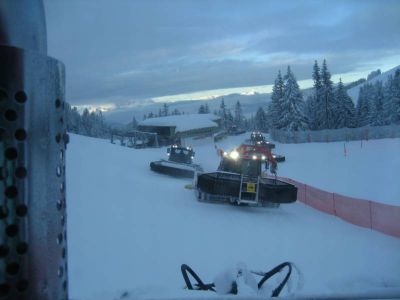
(184, 122)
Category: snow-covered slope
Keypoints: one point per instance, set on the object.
(130, 230)
(353, 92)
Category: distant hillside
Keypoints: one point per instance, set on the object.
(249, 103)
(353, 92)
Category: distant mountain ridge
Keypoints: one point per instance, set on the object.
(250, 103)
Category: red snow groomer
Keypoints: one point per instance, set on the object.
(241, 179)
(257, 138)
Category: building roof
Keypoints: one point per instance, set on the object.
(183, 123)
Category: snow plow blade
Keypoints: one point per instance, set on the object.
(279, 158)
(226, 186)
(175, 169)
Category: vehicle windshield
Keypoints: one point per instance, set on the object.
(316, 83)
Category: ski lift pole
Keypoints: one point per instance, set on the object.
(33, 139)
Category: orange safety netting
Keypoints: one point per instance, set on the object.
(378, 216)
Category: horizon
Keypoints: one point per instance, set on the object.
(128, 53)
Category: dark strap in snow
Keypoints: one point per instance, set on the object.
(185, 269)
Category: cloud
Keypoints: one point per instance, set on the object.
(116, 51)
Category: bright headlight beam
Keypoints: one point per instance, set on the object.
(234, 155)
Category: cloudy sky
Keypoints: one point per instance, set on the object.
(120, 51)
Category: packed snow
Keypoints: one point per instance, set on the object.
(369, 170)
(183, 122)
(130, 229)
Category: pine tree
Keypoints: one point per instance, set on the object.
(363, 106)
(275, 108)
(134, 123)
(377, 114)
(229, 121)
(310, 111)
(260, 120)
(85, 124)
(201, 109)
(395, 98)
(314, 105)
(206, 109)
(222, 114)
(238, 120)
(345, 116)
(164, 112)
(292, 118)
(176, 112)
(327, 115)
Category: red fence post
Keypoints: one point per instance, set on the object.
(305, 193)
(334, 204)
(370, 214)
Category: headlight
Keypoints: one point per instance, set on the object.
(254, 156)
(234, 155)
(263, 157)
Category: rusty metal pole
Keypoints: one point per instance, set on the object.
(33, 138)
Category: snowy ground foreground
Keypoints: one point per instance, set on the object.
(130, 229)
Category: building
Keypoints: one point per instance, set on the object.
(172, 128)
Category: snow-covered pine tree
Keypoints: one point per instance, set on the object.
(314, 105)
(292, 117)
(275, 108)
(363, 106)
(206, 109)
(260, 120)
(310, 110)
(201, 109)
(238, 120)
(176, 112)
(377, 117)
(327, 115)
(73, 119)
(85, 124)
(395, 98)
(222, 114)
(345, 116)
(134, 123)
(229, 121)
(165, 110)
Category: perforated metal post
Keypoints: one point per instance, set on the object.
(33, 138)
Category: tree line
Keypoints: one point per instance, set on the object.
(88, 123)
(329, 106)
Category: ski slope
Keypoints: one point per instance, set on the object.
(130, 229)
